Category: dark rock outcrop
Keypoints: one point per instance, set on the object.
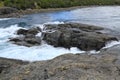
(7, 10)
(22, 32)
(27, 37)
(85, 37)
(82, 36)
(32, 31)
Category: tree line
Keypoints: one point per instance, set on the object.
(37, 4)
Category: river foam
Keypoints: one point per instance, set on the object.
(2, 19)
(42, 52)
(111, 44)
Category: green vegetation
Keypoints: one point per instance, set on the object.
(1, 4)
(33, 4)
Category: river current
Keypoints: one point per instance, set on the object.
(106, 16)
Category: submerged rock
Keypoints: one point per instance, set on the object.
(85, 37)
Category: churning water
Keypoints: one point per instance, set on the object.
(107, 16)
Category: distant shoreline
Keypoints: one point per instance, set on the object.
(20, 13)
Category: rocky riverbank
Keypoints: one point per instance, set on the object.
(86, 66)
(102, 66)
(11, 12)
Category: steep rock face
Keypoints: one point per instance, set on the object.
(85, 37)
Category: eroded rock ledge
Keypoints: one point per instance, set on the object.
(82, 36)
(103, 66)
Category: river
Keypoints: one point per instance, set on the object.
(106, 16)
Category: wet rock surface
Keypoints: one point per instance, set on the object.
(82, 36)
(65, 67)
(27, 37)
(100, 66)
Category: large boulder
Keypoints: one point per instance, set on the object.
(85, 37)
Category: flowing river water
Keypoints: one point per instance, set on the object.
(106, 16)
